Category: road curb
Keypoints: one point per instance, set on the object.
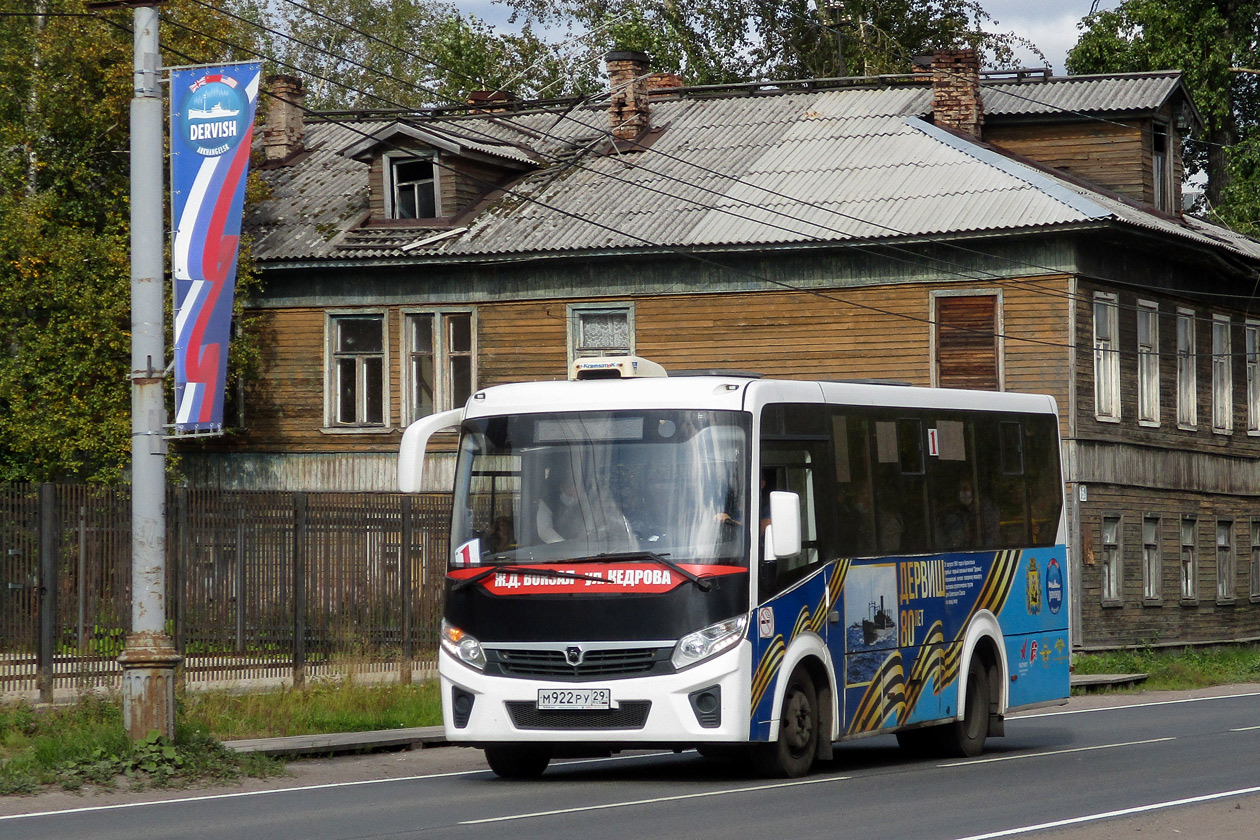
(425, 737)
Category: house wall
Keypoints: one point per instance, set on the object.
(1113, 154)
(1130, 470)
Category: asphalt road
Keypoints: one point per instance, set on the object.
(1168, 766)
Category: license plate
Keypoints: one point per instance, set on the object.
(569, 699)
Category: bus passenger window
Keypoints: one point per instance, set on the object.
(855, 513)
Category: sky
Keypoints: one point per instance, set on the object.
(1050, 24)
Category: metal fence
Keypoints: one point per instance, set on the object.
(262, 586)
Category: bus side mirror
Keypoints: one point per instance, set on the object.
(785, 524)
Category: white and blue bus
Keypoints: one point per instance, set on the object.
(735, 564)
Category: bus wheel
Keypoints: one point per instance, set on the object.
(793, 754)
(517, 761)
(966, 737)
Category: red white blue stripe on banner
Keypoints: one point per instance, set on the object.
(212, 124)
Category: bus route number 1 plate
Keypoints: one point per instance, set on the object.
(571, 699)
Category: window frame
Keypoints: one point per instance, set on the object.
(1148, 383)
(1255, 560)
(1222, 376)
(1162, 168)
(389, 162)
(574, 315)
(443, 392)
(1226, 563)
(1107, 407)
(1111, 585)
(332, 395)
(1187, 370)
(999, 330)
(1251, 349)
(1152, 561)
(1188, 558)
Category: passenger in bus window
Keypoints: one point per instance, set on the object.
(559, 515)
(969, 522)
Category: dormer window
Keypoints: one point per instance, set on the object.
(413, 188)
(1162, 161)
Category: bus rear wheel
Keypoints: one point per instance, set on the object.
(517, 761)
(965, 738)
(792, 755)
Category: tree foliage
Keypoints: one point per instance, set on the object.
(65, 89)
(1206, 40)
(414, 53)
(721, 41)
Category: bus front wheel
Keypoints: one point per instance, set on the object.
(792, 755)
(517, 761)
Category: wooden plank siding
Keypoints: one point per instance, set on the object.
(1115, 156)
(872, 332)
(1137, 621)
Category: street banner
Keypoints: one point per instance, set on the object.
(212, 124)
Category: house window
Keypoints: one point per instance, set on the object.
(1148, 362)
(1189, 558)
(596, 330)
(357, 370)
(1162, 164)
(413, 188)
(1152, 567)
(1187, 387)
(1252, 333)
(1255, 559)
(1225, 560)
(1222, 377)
(968, 344)
(1106, 359)
(440, 356)
(1111, 559)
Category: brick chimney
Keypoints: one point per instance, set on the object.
(628, 100)
(284, 130)
(489, 101)
(956, 90)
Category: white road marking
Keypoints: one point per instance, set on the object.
(1141, 809)
(971, 761)
(1244, 728)
(1133, 706)
(654, 800)
(238, 795)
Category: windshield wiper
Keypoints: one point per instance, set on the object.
(704, 585)
(528, 570)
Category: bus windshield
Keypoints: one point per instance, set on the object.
(565, 487)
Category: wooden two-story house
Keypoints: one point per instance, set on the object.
(952, 228)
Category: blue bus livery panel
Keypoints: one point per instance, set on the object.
(895, 633)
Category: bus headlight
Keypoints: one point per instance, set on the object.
(462, 646)
(712, 640)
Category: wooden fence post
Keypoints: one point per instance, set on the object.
(404, 583)
(47, 590)
(299, 589)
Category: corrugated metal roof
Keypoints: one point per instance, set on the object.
(792, 167)
(1118, 93)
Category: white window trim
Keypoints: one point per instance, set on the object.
(389, 160)
(574, 312)
(331, 426)
(1152, 357)
(999, 327)
(441, 399)
(1223, 386)
(1110, 356)
(1192, 386)
(1251, 330)
(1255, 560)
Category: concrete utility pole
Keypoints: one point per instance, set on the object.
(149, 658)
